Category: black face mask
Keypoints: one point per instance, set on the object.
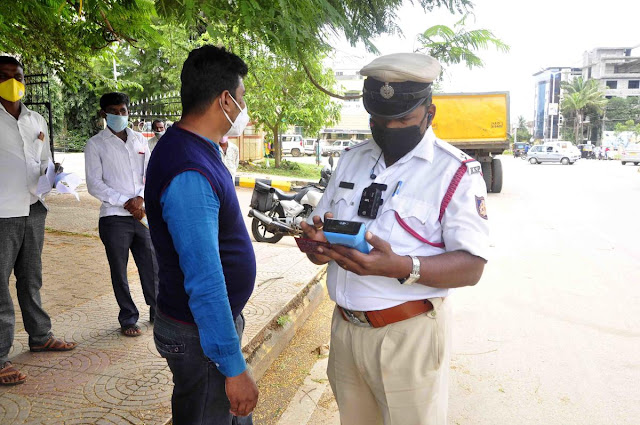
(396, 142)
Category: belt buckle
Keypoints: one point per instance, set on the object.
(353, 318)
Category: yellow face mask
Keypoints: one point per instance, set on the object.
(12, 90)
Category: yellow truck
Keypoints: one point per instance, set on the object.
(477, 124)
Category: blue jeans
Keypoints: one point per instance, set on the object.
(199, 395)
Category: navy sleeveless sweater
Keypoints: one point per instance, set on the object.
(178, 151)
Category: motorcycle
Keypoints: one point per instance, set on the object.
(277, 214)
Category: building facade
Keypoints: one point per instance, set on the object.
(547, 114)
(617, 69)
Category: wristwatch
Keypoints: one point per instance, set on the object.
(415, 272)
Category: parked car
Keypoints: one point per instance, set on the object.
(337, 147)
(292, 144)
(309, 146)
(630, 153)
(562, 152)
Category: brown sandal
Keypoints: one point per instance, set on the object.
(131, 331)
(54, 344)
(9, 375)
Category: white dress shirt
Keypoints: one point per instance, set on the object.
(231, 158)
(425, 173)
(23, 159)
(116, 170)
(153, 142)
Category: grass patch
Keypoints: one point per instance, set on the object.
(283, 320)
(287, 168)
(66, 233)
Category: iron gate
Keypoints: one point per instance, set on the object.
(38, 98)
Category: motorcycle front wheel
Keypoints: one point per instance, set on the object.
(259, 230)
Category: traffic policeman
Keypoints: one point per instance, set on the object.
(423, 204)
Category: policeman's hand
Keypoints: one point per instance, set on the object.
(381, 260)
(41, 136)
(316, 233)
(242, 392)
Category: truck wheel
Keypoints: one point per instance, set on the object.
(295, 152)
(496, 172)
(487, 174)
(564, 161)
(624, 162)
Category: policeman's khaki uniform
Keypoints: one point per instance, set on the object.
(397, 374)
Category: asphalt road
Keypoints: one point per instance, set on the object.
(551, 334)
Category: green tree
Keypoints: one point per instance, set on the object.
(63, 35)
(458, 45)
(579, 97)
(629, 126)
(521, 130)
(620, 110)
(279, 94)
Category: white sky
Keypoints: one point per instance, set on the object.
(541, 34)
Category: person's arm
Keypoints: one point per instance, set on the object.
(147, 155)
(45, 155)
(95, 185)
(465, 232)
(191, 208)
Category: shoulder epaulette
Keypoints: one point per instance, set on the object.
(357, 146)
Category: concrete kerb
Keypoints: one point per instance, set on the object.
(278, 182)
(265, 347)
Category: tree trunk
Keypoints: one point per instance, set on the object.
(277, 146)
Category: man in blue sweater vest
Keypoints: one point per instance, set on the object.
(206, 270)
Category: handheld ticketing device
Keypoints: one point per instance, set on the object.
(347, 233)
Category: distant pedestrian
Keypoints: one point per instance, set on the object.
(24, 157)
(116, 163)
(158, 128)
(230, 156)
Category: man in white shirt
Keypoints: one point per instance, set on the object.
(230, 156)
(115, 163)
(158, 128)
(423, 204)
(24, 156)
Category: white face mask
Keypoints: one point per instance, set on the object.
(237, 126)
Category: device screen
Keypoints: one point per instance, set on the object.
(342, 226)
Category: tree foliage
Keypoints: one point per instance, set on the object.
(582, 97)
(63, 35)
(280, 95)
(522, 131)
(620, 110)
(458, 45)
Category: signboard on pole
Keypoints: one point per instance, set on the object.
(553, 109)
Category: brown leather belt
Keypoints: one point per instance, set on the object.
(380, 318)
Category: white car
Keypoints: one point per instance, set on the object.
(292, 144)
(630, 153)
(337, 147)
(552, 152)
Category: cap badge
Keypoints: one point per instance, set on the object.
(386, 91)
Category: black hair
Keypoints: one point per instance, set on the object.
(10, 60)
(153, 124)
(207, 72)
(114, 98)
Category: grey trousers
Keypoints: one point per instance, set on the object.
(119, 235)
(21, 242)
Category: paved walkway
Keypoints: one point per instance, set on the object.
(109, 378)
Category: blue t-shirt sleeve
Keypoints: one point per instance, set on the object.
(190, 208)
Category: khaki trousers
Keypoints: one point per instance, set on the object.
(394, 375)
